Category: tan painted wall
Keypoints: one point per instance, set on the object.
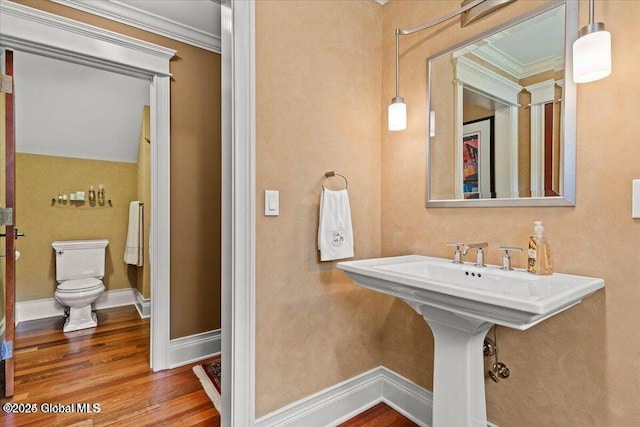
(580, 367)
(38, 179)
(195, 175)
(471, 111)
(317, 109)
(143, 173)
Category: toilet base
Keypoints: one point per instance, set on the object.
(80, 318)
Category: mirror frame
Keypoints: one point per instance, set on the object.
(568, 197)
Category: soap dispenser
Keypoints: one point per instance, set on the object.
(539, 252)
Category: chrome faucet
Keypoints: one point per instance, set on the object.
(457, 256)
(479, 253)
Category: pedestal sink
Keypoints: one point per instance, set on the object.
(461, 302)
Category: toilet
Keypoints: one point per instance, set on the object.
(79, 273)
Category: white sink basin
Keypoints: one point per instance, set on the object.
(515, 298)
(461, 302)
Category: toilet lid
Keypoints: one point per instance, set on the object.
(79, 285)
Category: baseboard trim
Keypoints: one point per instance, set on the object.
(341, 402)
(330, 406)
(49, 307)
(193, 348)
(143, 305)
(408, 398)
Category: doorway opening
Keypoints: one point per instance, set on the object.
(27, 30)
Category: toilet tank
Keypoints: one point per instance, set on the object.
(79, 259)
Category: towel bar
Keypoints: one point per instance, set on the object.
(330, 174)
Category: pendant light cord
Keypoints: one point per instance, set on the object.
(397, 61)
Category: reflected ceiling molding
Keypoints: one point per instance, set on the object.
(125, 13)
(514, 67)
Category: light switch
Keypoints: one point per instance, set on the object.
(271, 202)
(635, 199)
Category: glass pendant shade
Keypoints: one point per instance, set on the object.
(592, 57)
(397, 114)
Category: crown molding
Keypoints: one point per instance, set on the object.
(514, 67)
(122, 12)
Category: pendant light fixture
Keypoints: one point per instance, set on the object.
(592, 51)
(397, 108)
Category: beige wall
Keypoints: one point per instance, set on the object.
(580, 367)
(195, 175)
(40, 178)
(143, 173)
(471, 111)
(317, 109)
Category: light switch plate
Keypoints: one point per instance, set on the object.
(635, 199)
(271, 202)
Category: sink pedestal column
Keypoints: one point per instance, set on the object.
(458, 374)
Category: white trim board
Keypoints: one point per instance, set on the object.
(343, 401)
(50, 307)
(193, 348)
(142, 305)
(238, 213)
(122, 12)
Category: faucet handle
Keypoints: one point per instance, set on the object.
(457, 256)
(506, 258)
(478, 246)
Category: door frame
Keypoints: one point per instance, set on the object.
(34, 31)
(9, 329)
(238, 212)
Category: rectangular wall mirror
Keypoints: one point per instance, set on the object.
(503, 119)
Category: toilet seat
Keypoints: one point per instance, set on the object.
(79, 285)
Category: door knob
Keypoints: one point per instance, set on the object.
(16, 234)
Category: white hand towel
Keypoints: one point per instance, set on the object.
(335, 233)
(133, 253)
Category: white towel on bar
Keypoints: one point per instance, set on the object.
(335, 232)
(133, 252)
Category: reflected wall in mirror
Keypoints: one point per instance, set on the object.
(505, 115)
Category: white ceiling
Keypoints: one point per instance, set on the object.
(203, 15)
(528, 48)
(70, 110)
(539, 37)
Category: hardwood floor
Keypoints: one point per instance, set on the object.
(108, 365)
(380, 415)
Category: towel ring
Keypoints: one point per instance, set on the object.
(330, 174)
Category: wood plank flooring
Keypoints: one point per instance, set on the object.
(108, 365)
(380, 415)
